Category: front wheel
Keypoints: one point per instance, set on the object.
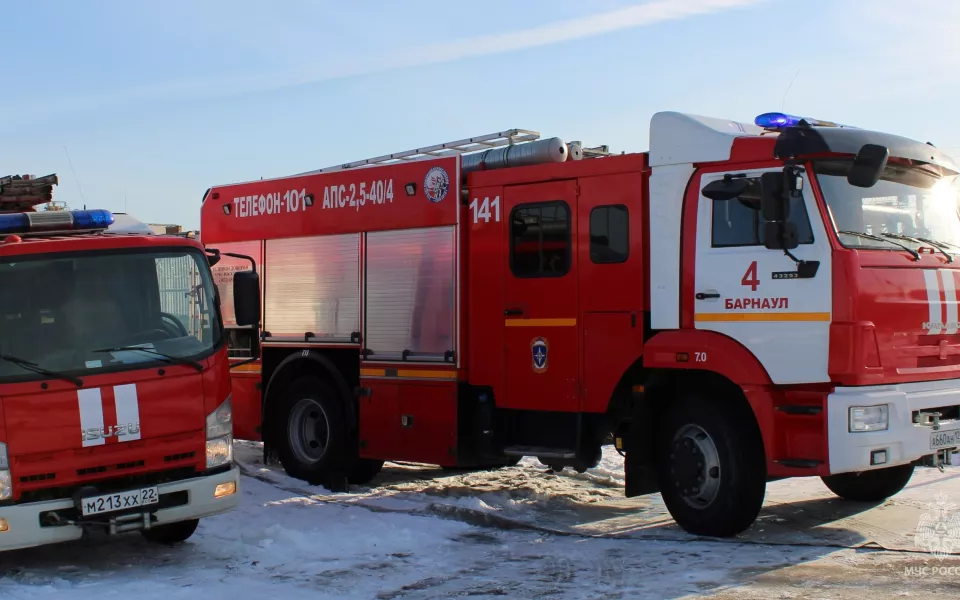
(869, 486)
(171, 533)
(711, 466)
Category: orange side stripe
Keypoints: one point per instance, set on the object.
(763, 316)
(409, 373)
(540, 322)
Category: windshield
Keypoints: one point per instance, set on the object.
(59, 312)
(907, 201)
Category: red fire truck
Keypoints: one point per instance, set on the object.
(115, 410)
(742, 303)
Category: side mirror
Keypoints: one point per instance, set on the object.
(774, 205)
(776, 189)
(246, 298)
(868, 166)
(726, 189)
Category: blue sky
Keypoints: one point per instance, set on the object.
(157, 101)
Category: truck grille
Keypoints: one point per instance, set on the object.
(115, 484)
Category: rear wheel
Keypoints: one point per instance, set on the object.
(315, 441)
(171, 533)
(711, 466)
(869, 486)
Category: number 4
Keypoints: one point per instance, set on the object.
(750, 277)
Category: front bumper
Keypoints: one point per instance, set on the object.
(24, 528)
(903, 441)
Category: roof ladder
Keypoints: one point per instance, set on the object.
(465, 146)
(23, 192)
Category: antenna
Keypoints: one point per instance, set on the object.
(790, 85)
(82, 199)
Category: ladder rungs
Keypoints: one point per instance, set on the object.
(464, 146)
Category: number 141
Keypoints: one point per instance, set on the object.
(481, 210)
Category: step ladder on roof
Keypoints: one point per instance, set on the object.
(23, 192)
(465, 146)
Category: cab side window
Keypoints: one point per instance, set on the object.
(609, 234)
(540, 239)
(738, 222)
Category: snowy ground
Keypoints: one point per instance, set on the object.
(420, 532)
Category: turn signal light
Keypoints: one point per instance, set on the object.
(225, 489)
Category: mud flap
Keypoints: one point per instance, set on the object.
(640, 470)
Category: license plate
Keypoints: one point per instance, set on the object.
(97, 505)
(944, 439)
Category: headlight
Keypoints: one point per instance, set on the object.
(869, 418)
(6, 482)
(219, 451)
(220, 421)
(220, 435)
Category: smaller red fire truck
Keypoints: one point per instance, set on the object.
(115, 409)
(742, 303)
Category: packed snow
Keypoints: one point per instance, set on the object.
(422, 532)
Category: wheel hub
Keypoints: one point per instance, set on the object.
(308, 430)
(695, 466)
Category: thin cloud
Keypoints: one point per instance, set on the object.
(649, 13)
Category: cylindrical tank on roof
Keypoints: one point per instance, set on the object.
(576, 150)
(519, 155)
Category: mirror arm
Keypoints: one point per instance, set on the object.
(790, 254)
(253, 264)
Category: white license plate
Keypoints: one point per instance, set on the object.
(96, 505)
(944, 439)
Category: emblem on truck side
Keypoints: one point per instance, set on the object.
(436, 184)
(538, 350)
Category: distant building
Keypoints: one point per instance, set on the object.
(162, 229)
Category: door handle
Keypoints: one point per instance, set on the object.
(703, 296)
(513, 312)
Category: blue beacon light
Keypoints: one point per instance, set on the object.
(775, 120)
(779, 120)
(92, 219)
(86, 220)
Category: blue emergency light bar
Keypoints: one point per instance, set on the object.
(51, 221)
(778, 120)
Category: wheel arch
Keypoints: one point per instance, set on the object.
(730, 373)
(302, 362)
(662, 362)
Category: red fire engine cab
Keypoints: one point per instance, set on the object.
(115, 410)
(744, 302)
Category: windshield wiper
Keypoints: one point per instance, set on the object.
(165, 357)
(938, 245)
(870, 236)
(32, 366)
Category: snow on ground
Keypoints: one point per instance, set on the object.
(389, 541)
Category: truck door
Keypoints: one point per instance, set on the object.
(752, 294)
(541, 333)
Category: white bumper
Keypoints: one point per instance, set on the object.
(23, 520)
(903, 441)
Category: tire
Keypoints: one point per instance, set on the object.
(869, 486)
(314, 440)
(363, 471)
(171, 533)
(711, 466)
